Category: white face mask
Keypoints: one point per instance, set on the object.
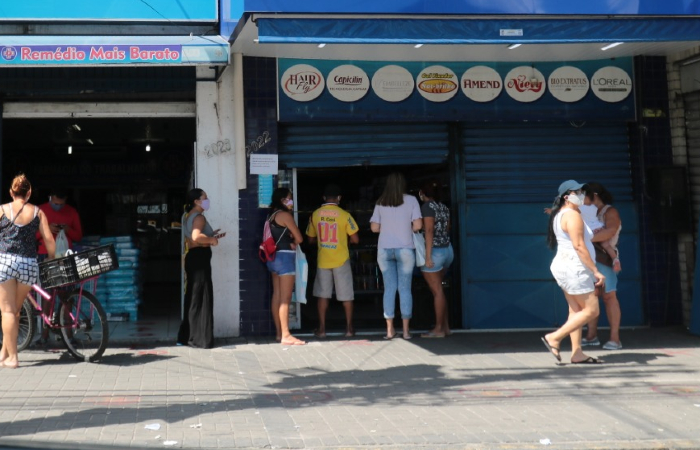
(576, 199)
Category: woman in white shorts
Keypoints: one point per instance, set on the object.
(19, 223)
(574, 270)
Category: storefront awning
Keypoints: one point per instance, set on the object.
(474, 31)
(112, 50)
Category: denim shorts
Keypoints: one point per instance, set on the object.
(284, 263)
(442, 259)
(610, 277)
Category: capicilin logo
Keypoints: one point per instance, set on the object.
(8, 53)
(302, 82)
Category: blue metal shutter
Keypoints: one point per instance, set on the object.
(512, 171)
(337, 145)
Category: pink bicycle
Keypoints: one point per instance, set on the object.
(69, 310)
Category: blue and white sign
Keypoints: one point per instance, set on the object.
(205, 11)
(460, 91)
(102, 50)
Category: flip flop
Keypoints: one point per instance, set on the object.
(407, 338)
(589, 360)
(430, 334)
(295, 342)
(319, 335)
(551, 349)
(388, 338)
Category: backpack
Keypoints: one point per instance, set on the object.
(268, 247)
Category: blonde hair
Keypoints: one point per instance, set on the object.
(20, 186)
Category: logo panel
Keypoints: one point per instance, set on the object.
(302, 82)
(525, 84)
(437, 83)
(611, 84)
(481, 84)
(348, 83)
(393, 83)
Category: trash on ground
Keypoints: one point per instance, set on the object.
(157, 437)
(196, 425)
(545, 442)
(153, 426)
(169, 442)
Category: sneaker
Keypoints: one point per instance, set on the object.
(611, 345)
(585, 342)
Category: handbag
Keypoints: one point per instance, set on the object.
(419, 243)
(601, 255)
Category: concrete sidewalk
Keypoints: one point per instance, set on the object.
(489, 390)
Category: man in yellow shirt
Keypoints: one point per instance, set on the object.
(332, 227)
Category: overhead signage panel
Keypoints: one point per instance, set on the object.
(110, 10)
(540, 7)
(85, 51)
(463, 91)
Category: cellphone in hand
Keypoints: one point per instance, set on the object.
(220, 235)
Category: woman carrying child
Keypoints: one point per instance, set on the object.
(601, 198)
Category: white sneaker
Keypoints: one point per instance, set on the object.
(611, 345)
(585, 342)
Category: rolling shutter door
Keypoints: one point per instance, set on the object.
(335, 145)
(692, 126)
(512, 171)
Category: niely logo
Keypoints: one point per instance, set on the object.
(8, 53)
(522, 84)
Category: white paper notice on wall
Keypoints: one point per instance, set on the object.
(263, 164)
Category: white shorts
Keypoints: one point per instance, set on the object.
(571, 275)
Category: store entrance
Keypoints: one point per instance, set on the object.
(127, 179)
(361, 186)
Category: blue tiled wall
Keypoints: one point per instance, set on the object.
(260, 77)
(650, 145)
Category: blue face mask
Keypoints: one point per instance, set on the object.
(56, 207)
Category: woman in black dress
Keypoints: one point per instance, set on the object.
(197, 328)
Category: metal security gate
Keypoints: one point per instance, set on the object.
(334, 145)
(692, 127)
(512, 171)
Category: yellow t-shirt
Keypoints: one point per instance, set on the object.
(332, 225)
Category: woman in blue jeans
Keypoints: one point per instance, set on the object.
(396, 216)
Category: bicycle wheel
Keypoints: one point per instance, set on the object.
(84, 326)
(27, 326)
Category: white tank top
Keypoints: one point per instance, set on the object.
(564, 243)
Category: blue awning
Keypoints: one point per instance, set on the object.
(112, 50)
(475, 31)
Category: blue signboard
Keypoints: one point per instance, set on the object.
(539, 7)
(318, 90)
(100, 50)
(111, 10)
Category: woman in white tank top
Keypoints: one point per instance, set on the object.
(573, 269)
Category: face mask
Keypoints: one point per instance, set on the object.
(205, 204)
(289, 203)
(576, 199)
(56, 206)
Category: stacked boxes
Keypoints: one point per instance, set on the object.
(119, 291)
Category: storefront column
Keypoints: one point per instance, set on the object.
(215, 163)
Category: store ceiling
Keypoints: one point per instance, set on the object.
(246, 43)
(97, 134)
